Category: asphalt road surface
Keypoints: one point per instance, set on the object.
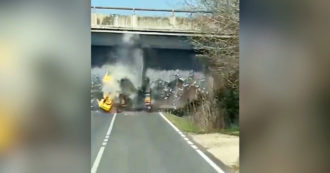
(140, 142)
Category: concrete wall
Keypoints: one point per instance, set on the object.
(134, 22)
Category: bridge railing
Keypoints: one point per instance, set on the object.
(126, 21)
(173, 11)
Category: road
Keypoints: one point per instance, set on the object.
(139, 142)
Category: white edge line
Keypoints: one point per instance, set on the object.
(97, 160)
(111, 125)
(100, 153)
(215, 166)
(207, 159)
(194, 147)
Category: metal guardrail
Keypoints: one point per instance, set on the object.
(150, 9)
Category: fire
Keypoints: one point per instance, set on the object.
(107, 78)
(108, 82)
(107, 102)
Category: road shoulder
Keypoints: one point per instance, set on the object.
(221, 148)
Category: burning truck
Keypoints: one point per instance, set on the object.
(106, 103)
(116, 94)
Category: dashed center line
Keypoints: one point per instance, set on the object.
(207, 159)
(105, 141)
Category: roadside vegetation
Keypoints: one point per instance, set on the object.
(217, 109)
(186, 125)
(230, 131)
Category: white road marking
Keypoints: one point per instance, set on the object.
(100, 153)
(190, 143)
(215, 166)
(207, 159)
(97, 160)
(111, 125)
(183, 136)
(194, 147)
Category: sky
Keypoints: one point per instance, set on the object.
(157, 4)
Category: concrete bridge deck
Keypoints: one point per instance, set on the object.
(169, 25)
(144, 23)
(133, 22)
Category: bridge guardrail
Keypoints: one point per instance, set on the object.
(150, 9)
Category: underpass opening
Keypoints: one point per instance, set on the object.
(165, 67)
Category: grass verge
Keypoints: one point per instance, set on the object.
(183, 123)
(231, 131)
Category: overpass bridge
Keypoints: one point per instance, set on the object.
(171, 25)
(162, 38)
(166, 32)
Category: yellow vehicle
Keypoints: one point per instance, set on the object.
(106, 103)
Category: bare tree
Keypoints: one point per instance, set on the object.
(219, 44)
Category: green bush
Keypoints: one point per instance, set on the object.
(228, 101)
